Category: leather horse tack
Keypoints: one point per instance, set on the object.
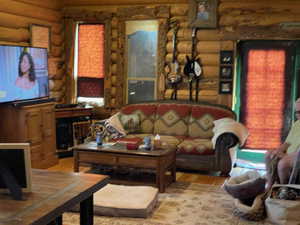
(174, 77)
(193, 69)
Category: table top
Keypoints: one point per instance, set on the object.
(121, 149)
(52, 194)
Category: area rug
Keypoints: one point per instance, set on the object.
(184, 204)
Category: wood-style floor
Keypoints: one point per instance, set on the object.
(66, 165)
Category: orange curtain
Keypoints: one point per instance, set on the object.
(91, 50)
(264, 105)
(90, 82)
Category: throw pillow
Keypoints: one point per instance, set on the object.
(116, 124)
(112, 132)
(96, 126)
(131, 122)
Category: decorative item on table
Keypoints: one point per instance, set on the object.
(130, 143)
(132, 146)
(157, 142)
(147, 143)
(99, 138)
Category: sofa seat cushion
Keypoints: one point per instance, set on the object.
(196, 146)
(172, 119)
(146, 112)
(202, 118)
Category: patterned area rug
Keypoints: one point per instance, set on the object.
(184, 204)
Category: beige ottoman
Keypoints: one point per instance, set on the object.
(127, 201)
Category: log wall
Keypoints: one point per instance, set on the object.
(16, 16)
(237, 20)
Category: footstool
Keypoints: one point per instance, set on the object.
(125, 201)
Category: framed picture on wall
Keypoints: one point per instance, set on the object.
(203, 13)
(40, 36)
(225, 87)
(226, 72)
(226, 57)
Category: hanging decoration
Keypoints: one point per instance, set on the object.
(193, 69)
(174, 77)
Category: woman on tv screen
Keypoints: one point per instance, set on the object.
(26, 85)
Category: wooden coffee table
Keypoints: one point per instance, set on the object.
(160, 161)
(53, 193)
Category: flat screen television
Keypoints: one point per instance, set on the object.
(23, 73)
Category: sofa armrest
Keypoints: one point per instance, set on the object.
(223, 143)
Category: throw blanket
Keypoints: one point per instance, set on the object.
(228, 125)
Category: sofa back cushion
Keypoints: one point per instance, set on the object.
(146, 112)
(201, 119)
(172, 119)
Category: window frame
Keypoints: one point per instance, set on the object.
(127, 78)
(159, 13)
(106, 57)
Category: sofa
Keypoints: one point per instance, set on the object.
(186, 125)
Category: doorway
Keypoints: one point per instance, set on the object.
(266, 88)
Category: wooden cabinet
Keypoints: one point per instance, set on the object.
(34, 124)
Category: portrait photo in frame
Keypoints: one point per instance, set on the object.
(40, 36)
(203, 13)
(225, 87)
(226, 72)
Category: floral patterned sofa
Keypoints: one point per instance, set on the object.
(187, 125)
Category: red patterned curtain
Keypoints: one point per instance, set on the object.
(264, 102)
(90, 60)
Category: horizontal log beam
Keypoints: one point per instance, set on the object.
(257, 19)
(259, 6)
(25, 44)
(14, 35)
(204, 95)
(67, 3)
(208, 59)
(185, 34)
(50, 4)
(15, 21)
(23, 9)
(179, 10)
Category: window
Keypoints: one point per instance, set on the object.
(141, 52)
(89, 63)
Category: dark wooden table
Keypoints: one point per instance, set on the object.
(160, 161)
(53, 194)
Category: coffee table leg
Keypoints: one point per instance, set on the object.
(76, 163)
(87, 211)
(160, 173)
(57, 221)
(173, 172)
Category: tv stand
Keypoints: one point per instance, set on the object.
(33, 102)
(34, 124)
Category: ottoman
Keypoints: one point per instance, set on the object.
(125, 201)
